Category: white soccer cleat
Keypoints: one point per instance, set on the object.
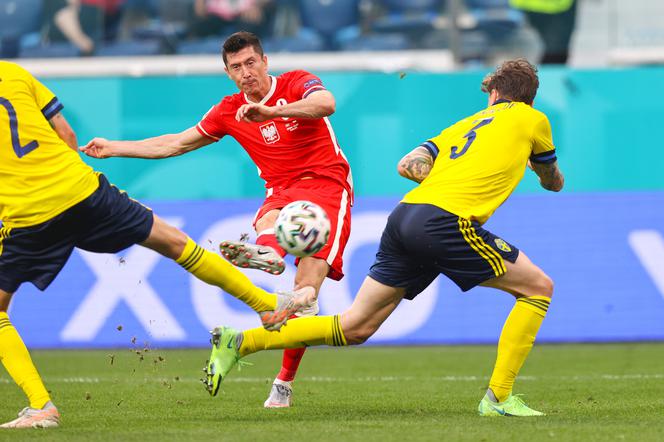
(281, 395)
(47, 417)
(253, 256)
(302, 302)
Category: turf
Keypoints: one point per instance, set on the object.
(590, 392)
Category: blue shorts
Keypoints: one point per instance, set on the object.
(422, 241)
(105, 222)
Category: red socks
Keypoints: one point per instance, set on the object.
(290, 363)
(292, 356)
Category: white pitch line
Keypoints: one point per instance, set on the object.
(365, 379)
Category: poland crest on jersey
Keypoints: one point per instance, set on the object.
(270, 132)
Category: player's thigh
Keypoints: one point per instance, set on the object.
(37, 253)
(373, 304)
(266, 220)
(311, 271)
(522, 278)
(110, 221)
(5, 299)
(166, 239)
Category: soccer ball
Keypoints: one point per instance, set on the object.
(302, 228)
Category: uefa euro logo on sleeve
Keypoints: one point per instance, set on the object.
(270, 132)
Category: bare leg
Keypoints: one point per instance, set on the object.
(206, 266)
(165, 239)
(373, 304)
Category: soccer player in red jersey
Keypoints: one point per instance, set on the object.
(282, 122)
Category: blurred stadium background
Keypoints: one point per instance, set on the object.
(401, 71)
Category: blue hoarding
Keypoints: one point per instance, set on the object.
(605, 253)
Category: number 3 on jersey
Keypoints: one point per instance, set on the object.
(19, 150)
(470, 137)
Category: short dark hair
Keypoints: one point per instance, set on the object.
(513, 79)
(240, 40)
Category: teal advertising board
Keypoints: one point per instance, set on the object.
(606, 125)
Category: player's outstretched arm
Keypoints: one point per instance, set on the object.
(164, 146)
(416, 164)
(64, 130)
(549, 175)
(318, 104)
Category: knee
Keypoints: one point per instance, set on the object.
(358, 335)
(545, 285)
(178, 242)
(175, 242)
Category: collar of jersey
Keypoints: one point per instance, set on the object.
(500, 101)
(273, 87)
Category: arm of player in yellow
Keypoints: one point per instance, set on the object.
(163, 146)
(61, 127)
(416, 164)
(550, 176)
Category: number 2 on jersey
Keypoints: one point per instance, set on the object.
(470, 137)
(19, 150)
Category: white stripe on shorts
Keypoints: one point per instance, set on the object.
(340, 224)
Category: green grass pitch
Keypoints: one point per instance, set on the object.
(590, 392)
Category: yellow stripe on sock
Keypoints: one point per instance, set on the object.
(537, 304)
(193, 258)
(465, 231)
(341, 339)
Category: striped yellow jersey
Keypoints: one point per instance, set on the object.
(481, 159)
(40, 176)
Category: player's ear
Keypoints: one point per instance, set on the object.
(265, 60)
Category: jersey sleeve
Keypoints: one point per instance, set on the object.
(45, 99)
(543, 151)
(211, 125)
(433, 144)
(432, 147)
(304, 84)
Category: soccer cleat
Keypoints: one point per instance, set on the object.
(47, 417)
(223, 357)
(289, 304)
(512, 406)
(253, 256)
(281, 395)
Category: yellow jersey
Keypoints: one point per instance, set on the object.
(40, 176)
(480, 160)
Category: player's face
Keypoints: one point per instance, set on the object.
(249, 72)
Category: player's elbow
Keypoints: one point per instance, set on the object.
(402, 168)
(329, 107)
(555, 185)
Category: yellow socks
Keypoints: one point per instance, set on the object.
(16, 359)
(299, 332)
(213, 269)
(515, 342)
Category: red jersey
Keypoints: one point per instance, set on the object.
(284, 149)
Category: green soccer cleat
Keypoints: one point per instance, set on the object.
(512, 406)
(224, 357)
